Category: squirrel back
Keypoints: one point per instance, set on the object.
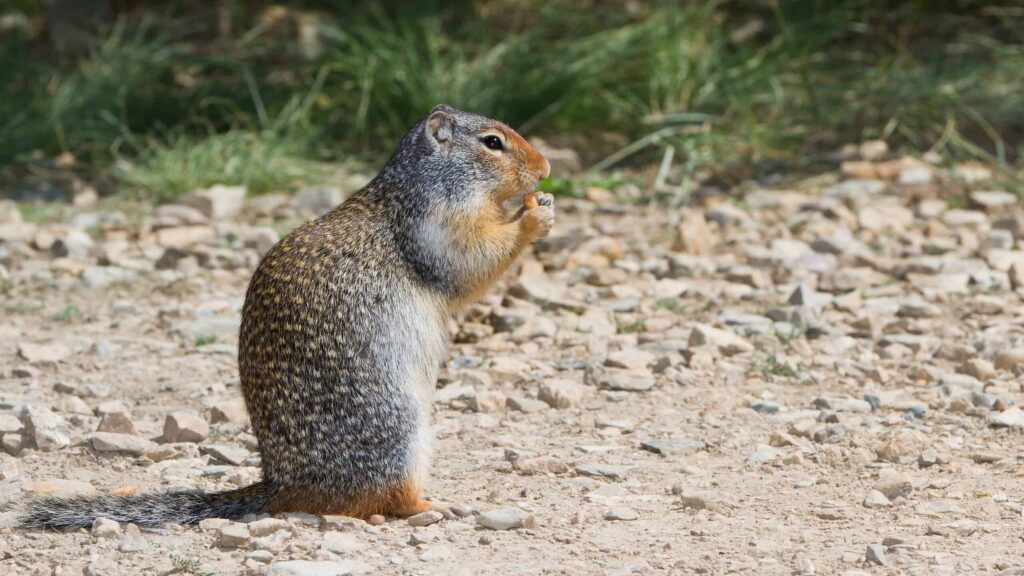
(344, 329)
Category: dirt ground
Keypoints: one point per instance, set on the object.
(822, 379)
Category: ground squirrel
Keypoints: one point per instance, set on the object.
(344, 330)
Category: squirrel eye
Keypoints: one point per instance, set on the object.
(493, 142)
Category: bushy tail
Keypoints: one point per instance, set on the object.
(144, 509)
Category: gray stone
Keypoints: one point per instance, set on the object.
(993, 200)
(1010, 418)
(894, 485)
(526, 405)
(105, 528)
(342, 542)
(185, 426)
(673, 446)
(76, 245)
(876, 499)
(505, 519)
(229, 411)
(121, 443)
(876, 554)
(842, 404)
(542, 465)
(216, 202)
(133, 540)
(904, 445)
(313, 568)
(726, 342)
(426, 518)
(626, 381)
(118, 422)
(488, 401)
(763, 455)
(267, 526)
(104, 276)
(47, 430)
(561, 394)
(274, 542)
(620, 513)
(610, 471)
(230, 453)
(233, 535)
(46, 353)
(712, 500)
(630, 358)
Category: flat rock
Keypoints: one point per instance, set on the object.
(52, 352)
(313, 568)
(876, 554)
(842, 404)
(230, 453)
(121, 443)
(673, 446)
(1010, 418)
(426, 518)
(526, 405)
(626, 381)
(610, 471)
(542, 465)
(630, 358)
(561, 394)
(726, 342)
(133, 540)
(620, 513)
(894, 485)
(345, 542)
(505, 519)
(233, 535)
(105, 528)
(712, 500)
(267, 526)
(875, 499)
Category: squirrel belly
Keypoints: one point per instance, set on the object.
(345, 328)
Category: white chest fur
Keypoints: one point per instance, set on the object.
(414, 346)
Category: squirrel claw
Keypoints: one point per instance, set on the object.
(538, 221)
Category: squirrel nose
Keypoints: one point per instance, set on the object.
(546, 170)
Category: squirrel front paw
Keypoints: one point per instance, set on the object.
(537, 222)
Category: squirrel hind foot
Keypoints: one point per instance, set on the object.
(399, 500)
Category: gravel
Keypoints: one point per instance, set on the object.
(763, 382)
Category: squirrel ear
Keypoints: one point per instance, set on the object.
(440, 124)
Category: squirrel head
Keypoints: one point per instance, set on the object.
(466, 159)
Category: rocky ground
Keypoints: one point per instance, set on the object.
(817, 379)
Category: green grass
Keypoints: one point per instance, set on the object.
(670, 304)
(164, 104)
(770, 366)
(68, 313)
(204, 339)
(42, 212)
(166, 168)
(629, 326)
